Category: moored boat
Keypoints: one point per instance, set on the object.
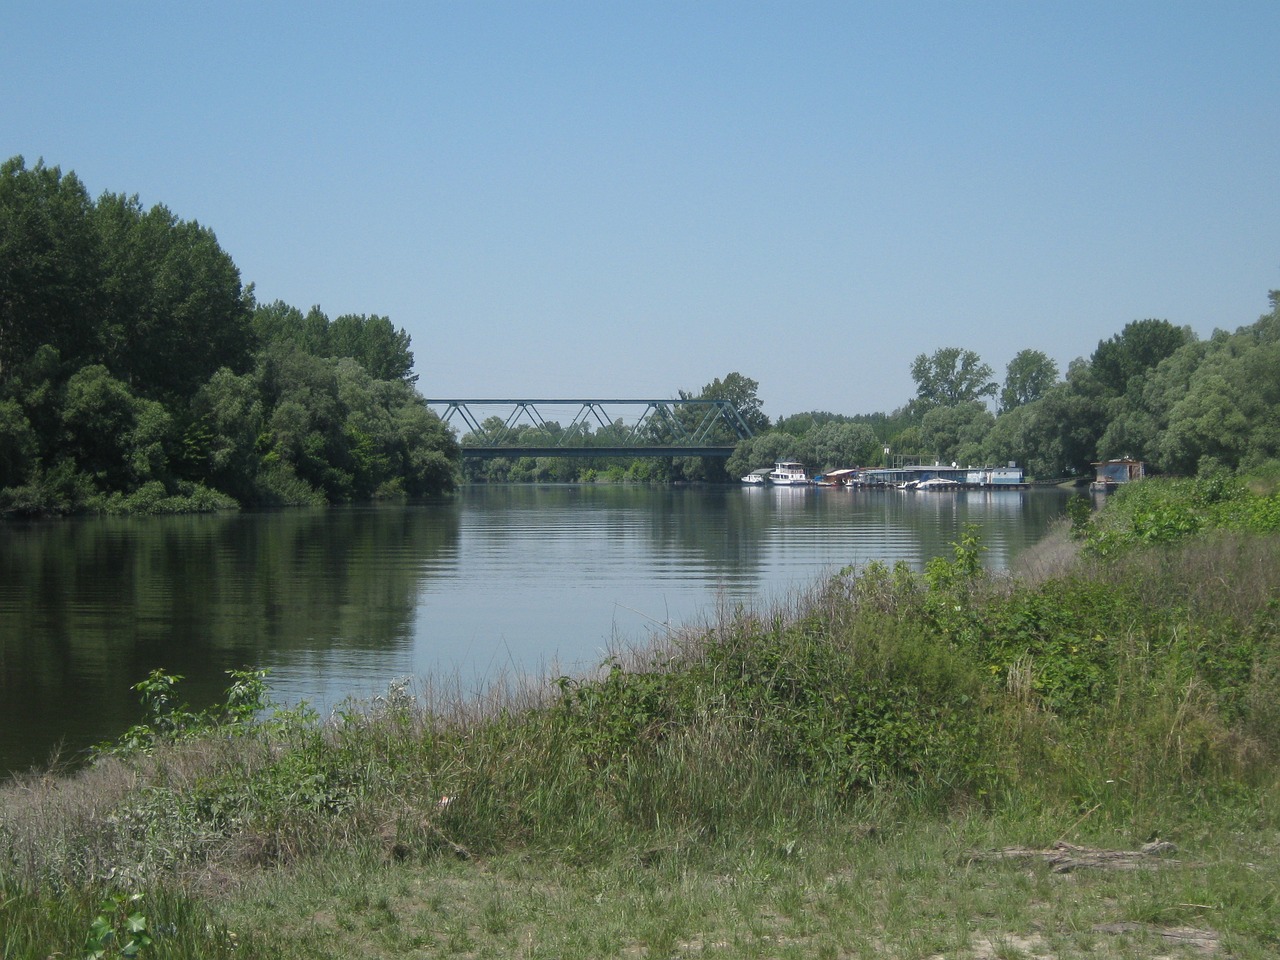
(788, 473)
(837, 478)
(934, 483)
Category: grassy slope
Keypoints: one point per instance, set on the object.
(834, 779)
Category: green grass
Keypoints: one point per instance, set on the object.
(915, 889)
(831, 778)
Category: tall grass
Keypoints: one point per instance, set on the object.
(34, 923)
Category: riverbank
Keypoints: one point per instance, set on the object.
(886, 766)
(339, 601)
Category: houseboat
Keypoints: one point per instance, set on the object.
(914, 476)
(788, 473)
(837, 478)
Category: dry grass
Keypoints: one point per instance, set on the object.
(1054, 555)
(1220, 575)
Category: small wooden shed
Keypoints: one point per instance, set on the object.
(1111, 473)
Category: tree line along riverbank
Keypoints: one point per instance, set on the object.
(897, 764)
(139, 374)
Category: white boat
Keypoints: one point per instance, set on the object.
(933, 483)
(788, 473)
(757, 477)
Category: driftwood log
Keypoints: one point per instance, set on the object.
(1206, 941)
(1066, 857)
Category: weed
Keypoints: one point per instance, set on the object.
(119, 930)
(165, 719)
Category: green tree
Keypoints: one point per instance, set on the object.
(305, 420)
(36, 385)
(1134, 351)
(376, 343)
(424, 448)
(131, 355)
(798, 424)
(278, 323)
(1008, 439)
(1062, 428)
(1210, 421)
(51, 277)
(951, 376)
(149, 442)
(348, 435)
(955, 433)
(18, 444)
(838, 445)
(114, 437)
(221, 444)
(175, 311)
(1029, 374)
(908, 443)
(366, 407)
(741, 391)
(1227, 408)
(1137, 420)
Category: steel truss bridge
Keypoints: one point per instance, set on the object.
(598, 428)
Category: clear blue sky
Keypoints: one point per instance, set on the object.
(627, 199)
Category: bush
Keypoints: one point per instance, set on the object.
(1165, 511)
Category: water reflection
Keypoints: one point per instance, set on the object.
(88, 608)
(496, 580)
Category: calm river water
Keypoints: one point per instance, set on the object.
(496, 581)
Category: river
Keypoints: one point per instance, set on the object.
(494, 582)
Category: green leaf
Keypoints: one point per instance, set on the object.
(99, 931)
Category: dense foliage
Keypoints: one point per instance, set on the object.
(138, 374)
(1153, 392)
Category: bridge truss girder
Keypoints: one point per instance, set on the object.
(657, 427)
